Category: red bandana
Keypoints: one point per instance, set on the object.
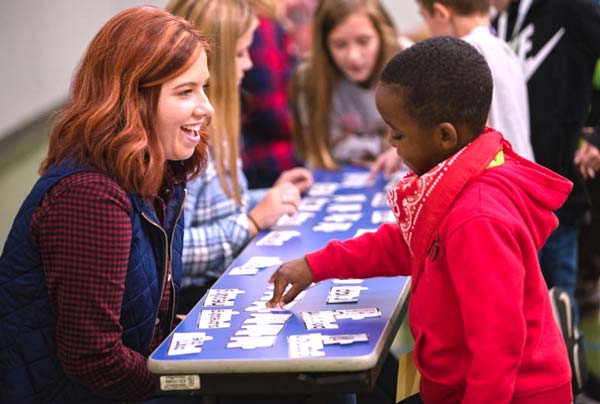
(421, 202)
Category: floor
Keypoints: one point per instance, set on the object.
(21, 155)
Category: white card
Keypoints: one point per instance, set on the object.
(305, 346)
(329, 227)
(379, 200)
(357, 314)
(318, 320)
(312, 204)
(184, 343)
(251, 342)
(345, 339)
(356, 180)
(221, 297)
(277, 237)
(342, 217)
(383, 216)
(344, 294)
(215, 318)
(323, 188)
(295, 220)
(344, 207)
(268, 318)
(347, 198)
(259, 330)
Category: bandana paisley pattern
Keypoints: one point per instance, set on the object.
(410, 194)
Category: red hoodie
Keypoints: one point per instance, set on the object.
(479, 308)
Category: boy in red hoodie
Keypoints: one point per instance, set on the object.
(471, 217)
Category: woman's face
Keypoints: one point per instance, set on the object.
(354, 45)
(242, 56)
(183, 111)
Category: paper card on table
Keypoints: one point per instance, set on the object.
(221, 297)
(331, 226)
(344, 294)
(294, 220)
(251, 342)
(379, 200)
(268, 318)
(215, 318)
(312, 204)
(244, 270)
(360, 232)
(357, 314)
(356, 180)
(318, 320)
(323, 188)
(348, 198)
(348, 281)
(383, 216)
(344, 207)
(184, 343)
(345, 339)
(259, 330)
(277, 237)
(342, 217)
(305, 346)
(252, 266)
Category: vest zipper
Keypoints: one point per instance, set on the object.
(168, 248)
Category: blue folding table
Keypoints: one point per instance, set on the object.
(351, 367)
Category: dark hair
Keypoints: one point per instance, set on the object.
(461, 7)
(442, 79)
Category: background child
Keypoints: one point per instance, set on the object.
(469, 20)
(481, 316)
(333, 95)
(221, 216)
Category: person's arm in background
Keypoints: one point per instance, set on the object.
(216, 229)
(83, 231)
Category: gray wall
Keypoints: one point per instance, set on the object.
(42, 41)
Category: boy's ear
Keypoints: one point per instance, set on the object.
(446, 136)
(441, 11)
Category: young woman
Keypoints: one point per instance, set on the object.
(92, 266)
(221, 214)
(333, 97)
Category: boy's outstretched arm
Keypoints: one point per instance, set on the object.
(295, 272)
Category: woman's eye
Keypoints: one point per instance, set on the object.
(185, 92)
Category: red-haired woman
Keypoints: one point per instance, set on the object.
(90, 272)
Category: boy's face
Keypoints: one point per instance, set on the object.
(417, 146)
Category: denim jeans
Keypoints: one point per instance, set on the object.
(558, 259)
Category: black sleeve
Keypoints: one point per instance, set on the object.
(585, 23)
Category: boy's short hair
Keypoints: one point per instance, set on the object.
(462, 7)
(442, 79)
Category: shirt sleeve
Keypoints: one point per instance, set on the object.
(585, 24)
(215, 231)
(83, 231)
(380, 253)
(489, 285)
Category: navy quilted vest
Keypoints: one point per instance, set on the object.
(30, 371)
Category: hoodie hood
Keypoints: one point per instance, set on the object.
(535, 190)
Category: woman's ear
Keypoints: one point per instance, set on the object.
(446, 136)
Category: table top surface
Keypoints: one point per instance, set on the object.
(388, 295)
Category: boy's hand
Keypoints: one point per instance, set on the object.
(295, 272)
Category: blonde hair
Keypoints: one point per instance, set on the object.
(222, 23)
(313, 83)
(271, 9)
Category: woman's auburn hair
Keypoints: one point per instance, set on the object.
(108, 122)
(223, 23)
(313, 82)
